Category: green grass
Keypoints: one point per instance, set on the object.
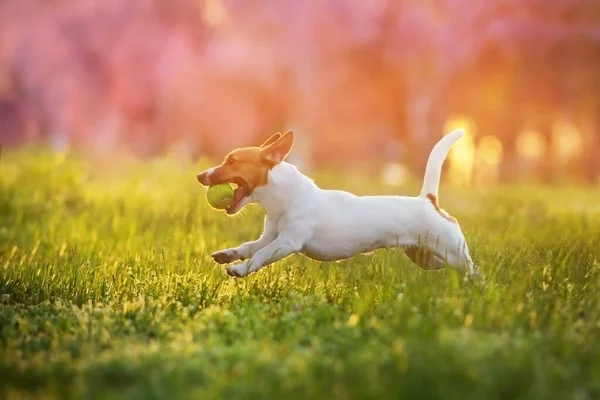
(107, 290)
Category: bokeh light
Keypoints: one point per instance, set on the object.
(567, 140)
(462, 155)
(489, 156)
(394, 174)
(530, 145)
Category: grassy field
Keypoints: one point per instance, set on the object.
(107, 290)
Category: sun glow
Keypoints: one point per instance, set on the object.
(462, 156)
(215, 13)
(567, 140)
(489, 155)
(530, 145)
(394, 174)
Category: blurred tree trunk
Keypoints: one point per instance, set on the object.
(509, 122)
(545, 100)
(592, 149)
(509, 131)
(423, 130)
(420, 134)
(592, 153)
(548, 163)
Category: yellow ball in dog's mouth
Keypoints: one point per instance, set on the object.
(220, 196)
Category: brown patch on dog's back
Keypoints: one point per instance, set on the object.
(440, 211)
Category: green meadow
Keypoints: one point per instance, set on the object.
(108, 291)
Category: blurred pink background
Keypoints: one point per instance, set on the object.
(361, 82)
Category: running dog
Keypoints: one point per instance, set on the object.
(329, 225)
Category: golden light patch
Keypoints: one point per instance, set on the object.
(530, 145)
(488, 159)
(567, 140)
(214, 13)
(490, 150)
(462, 155)
(394, 174)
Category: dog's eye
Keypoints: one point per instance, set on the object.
(231, 161)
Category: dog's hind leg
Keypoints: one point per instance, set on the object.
(424, 258)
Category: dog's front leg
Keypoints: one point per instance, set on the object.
(280, 248)
(246, 250)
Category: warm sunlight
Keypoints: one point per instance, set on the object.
(214, 12)
(462, 156)
(530, 145)
(567, 140)
(394, 174)
(203, 198)
(489, 156)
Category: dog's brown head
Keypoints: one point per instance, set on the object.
(248, 168)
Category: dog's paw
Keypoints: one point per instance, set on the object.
(239, 270)
(226, 256)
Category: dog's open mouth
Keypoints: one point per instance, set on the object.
(240, 192)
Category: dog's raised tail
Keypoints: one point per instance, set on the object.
(437, 157)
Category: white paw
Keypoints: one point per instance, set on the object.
(226, 256)
(239, 270)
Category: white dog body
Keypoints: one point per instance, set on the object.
(329, 225)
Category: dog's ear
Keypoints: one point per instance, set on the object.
(271, 140)
(277, 151)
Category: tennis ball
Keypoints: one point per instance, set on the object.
(220, 196)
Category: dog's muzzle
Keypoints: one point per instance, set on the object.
(204, 178)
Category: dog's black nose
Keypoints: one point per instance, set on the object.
(203, 178)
